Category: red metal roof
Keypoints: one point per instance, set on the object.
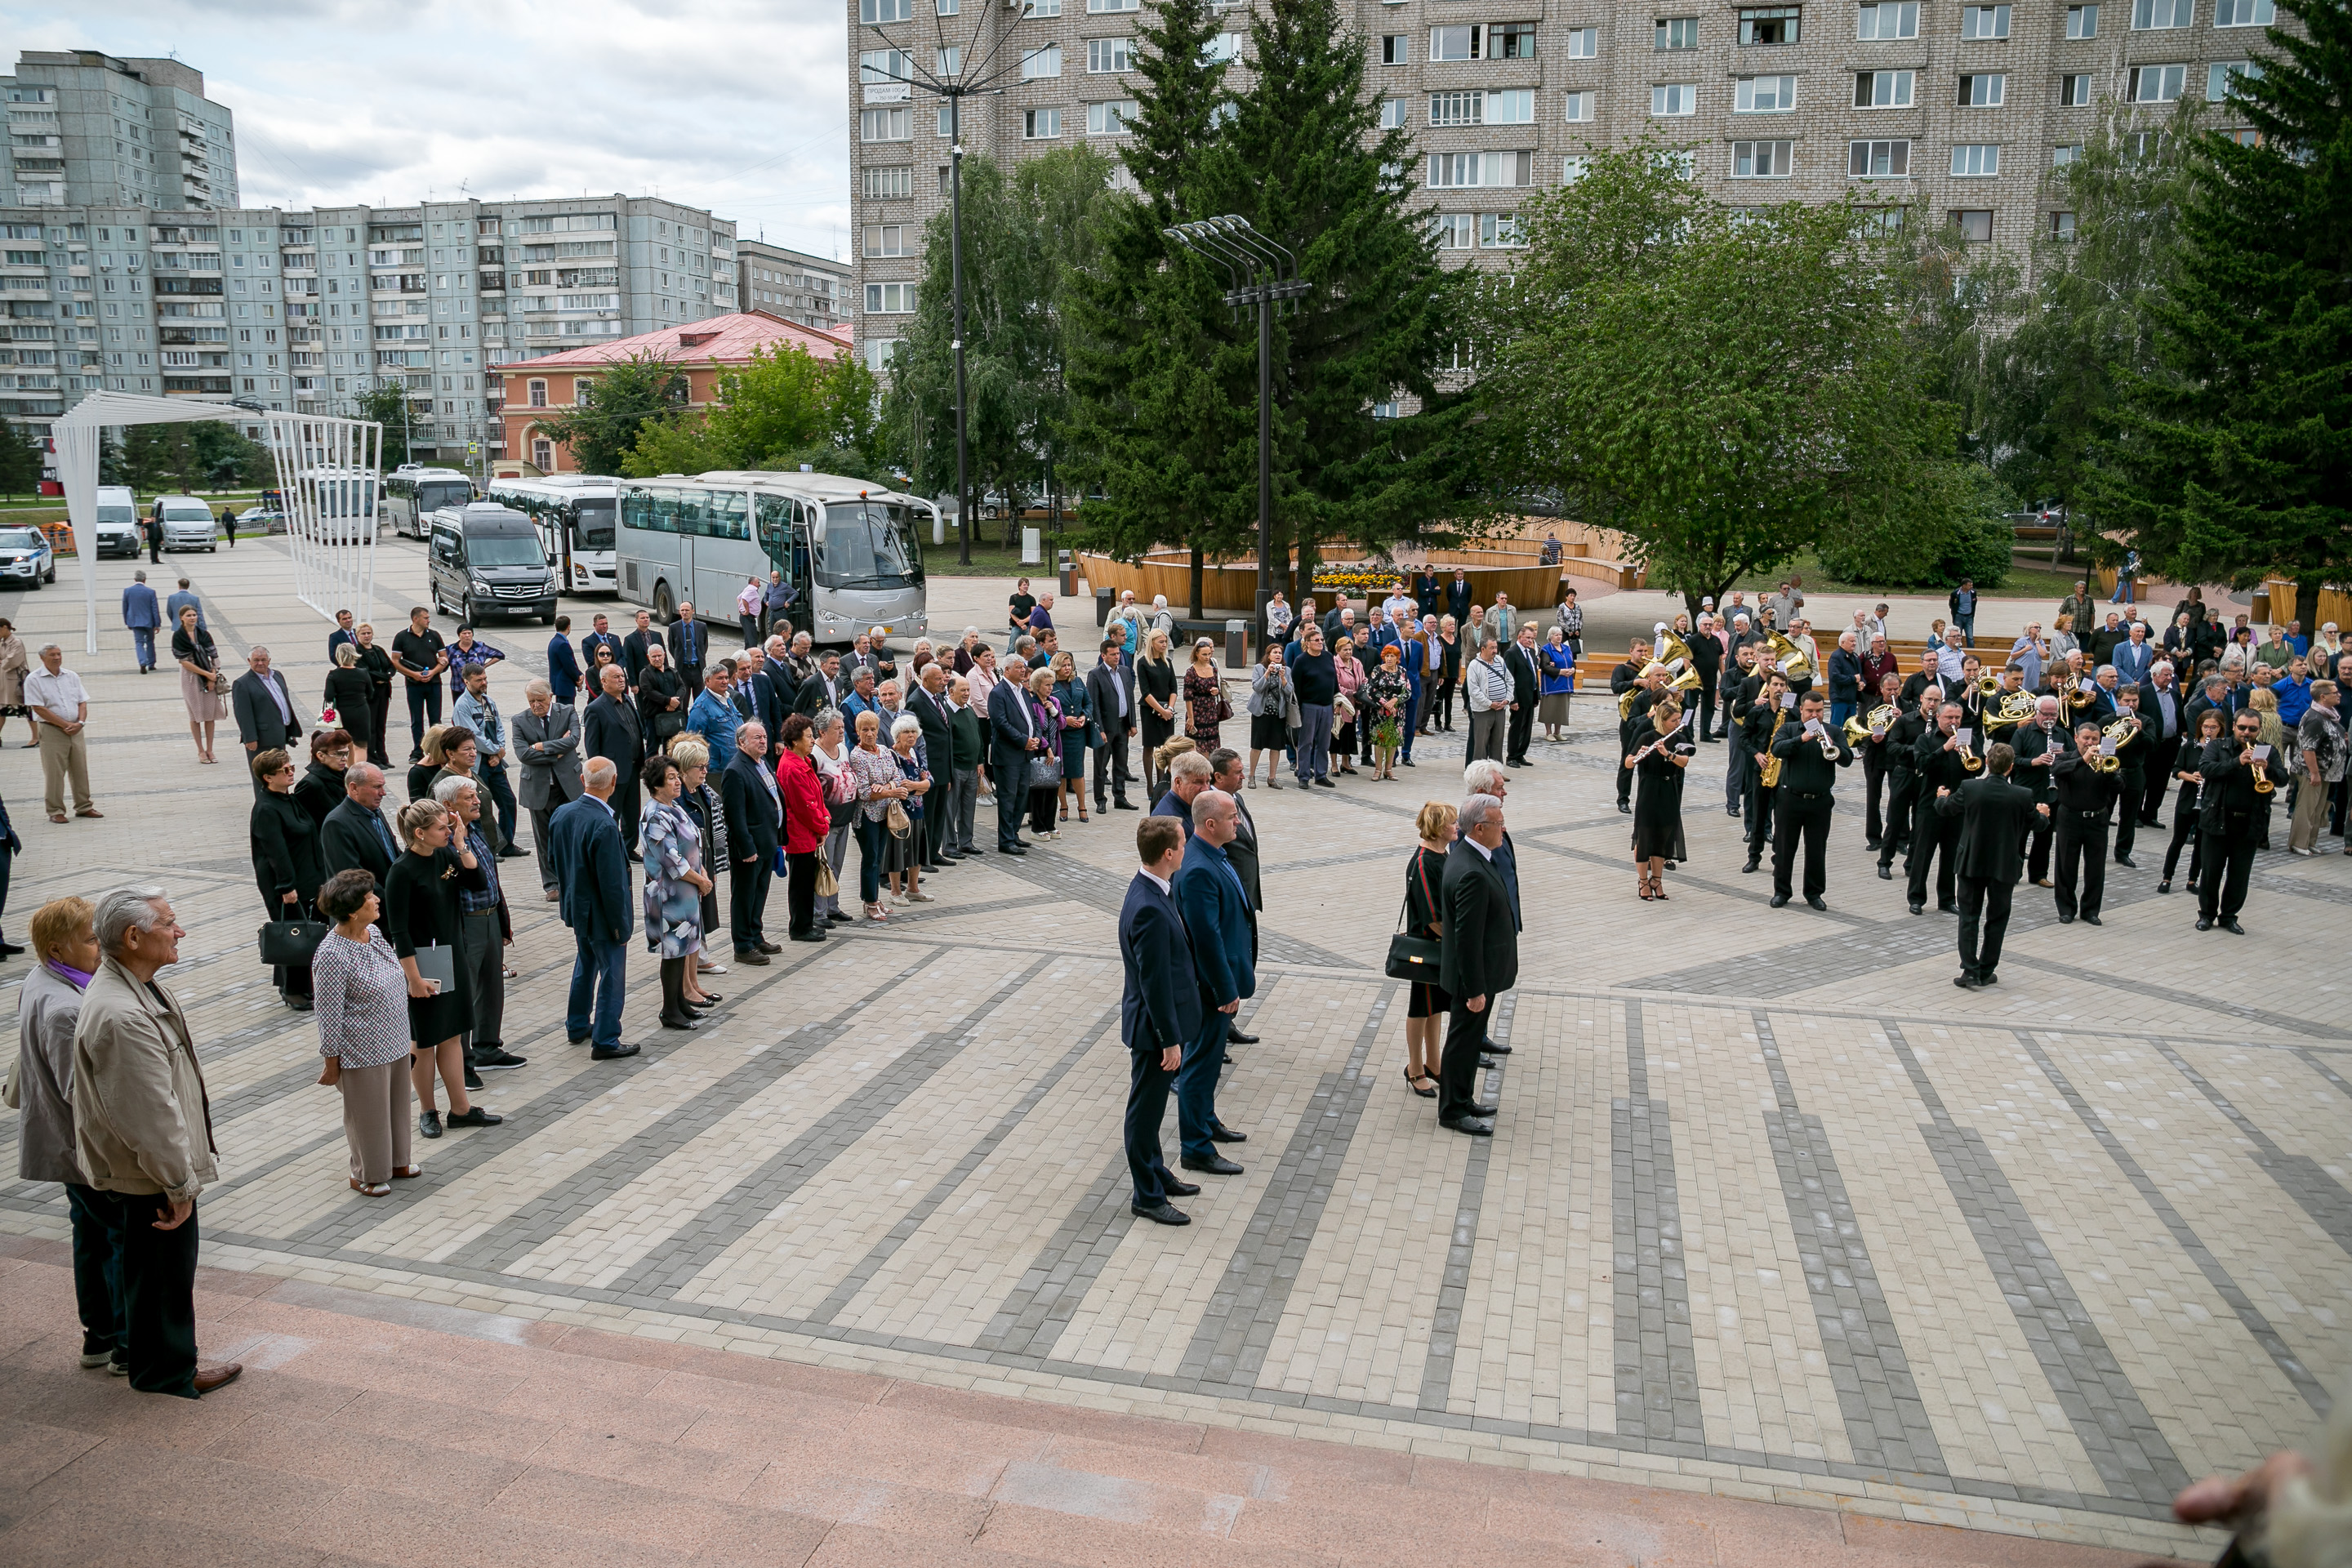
(729, 339)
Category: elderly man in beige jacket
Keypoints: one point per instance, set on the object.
(143, 1136)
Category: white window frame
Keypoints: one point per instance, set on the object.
(1669, 32)
(1511, 106)
(1673, 100)
(887, 119)
(1872, 22)
(1109, 117)
(1578, 107)
(889, 299)
(1500, 231)
(2220, 74)
(1109, 57)
(893, 239)
(1103, 7)
(2244, 13)
(1900, 88)
(1396, 113)
(1572, 167)
(1583, 43)
(1976, 160)
(1461, 107)
(1454, 231)
(876, 66)
(2082, 21)
(1983, 23)
(1982, 90)
(2163, 15)
(1778, 159)
(1472, 36)
(2076, 89)
(1780, 100)
(1041, 124)
(1895, 152)
(1042, 63)
(2157, 84)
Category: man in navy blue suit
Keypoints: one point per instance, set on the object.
(1158, 1012)
(593, 879)
(1215, 907)
(1013, 740)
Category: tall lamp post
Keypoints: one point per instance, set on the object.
(1265, 275)
(953, 87)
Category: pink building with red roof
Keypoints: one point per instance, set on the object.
(704, 350)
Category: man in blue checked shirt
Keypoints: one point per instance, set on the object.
(487, 931)
(714, 717)
(476, 712)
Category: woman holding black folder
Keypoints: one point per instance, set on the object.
(421, 917)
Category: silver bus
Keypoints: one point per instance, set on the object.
(412, 495)
(847, 547)
(574, 514)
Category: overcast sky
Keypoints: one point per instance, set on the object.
(725, 104)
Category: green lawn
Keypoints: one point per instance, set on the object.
(2022, 582)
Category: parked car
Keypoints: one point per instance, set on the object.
(117, 521)
(26, 557)
(261, 520)
(188, 523)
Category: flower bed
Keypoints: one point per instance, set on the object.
(1355, 582)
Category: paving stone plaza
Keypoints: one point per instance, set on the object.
(1771, 1212)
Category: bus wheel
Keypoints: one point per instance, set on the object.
(665, 610)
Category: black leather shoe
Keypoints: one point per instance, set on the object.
(1814, 903)
(816, 935)
(2093, 920)
(1870, 844)
(1124, 805)
(1988, 978)
(1160, 1214)
(1227, 1135)
(751, 955)
(2064, 919)
(1176, 1189)
(1885, 875)
(683, 1021)
(429, 1123)
(473, 1116)
(2230, 923)
(2204, 923)
(1215, 1165)
(1780, 900)
(1947, 908)
(1492, 1049)
(1919, 909)
(611, 1053)
(1627, 807)
(1326, 784)
(1012, 849)
(1966, 981)
(1235, 1038)
(1752, 868)
(1475, 1109)
(2126, 860)
(1469, 1125)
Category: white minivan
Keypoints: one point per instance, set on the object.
(117, 521)
(187, 522)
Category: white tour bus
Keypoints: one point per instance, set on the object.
(847, 547)
(412, 495)
(573, 512)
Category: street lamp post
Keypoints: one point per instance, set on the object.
(987, 80)
(1263, 274)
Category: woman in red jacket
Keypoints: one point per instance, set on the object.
(807, 818)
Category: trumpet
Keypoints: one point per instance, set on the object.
(1969, 761)
(1792, 661)
(1987, 686)
(1828, 743)
(2263, 784)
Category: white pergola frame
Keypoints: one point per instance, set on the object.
(330, 481)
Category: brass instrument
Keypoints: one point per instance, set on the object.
(2016, 708)
(1969, 761)
(1987, 686)
(1689, 680)
(1828, 744)
(2078, 698)
(1625, 701)
(1770, 776)
(1673, 651)
(1881, 719)
(2263, 784)
(1792, 661)
(2114, 735)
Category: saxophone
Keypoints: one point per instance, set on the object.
(1771, 773)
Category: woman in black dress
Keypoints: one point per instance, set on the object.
(420, 910)
(286, 864)
(322, 787)
(377, 666)
(1660, 752)
(1156, 677)
(2210, 727)
(662, 699)
(351, 695)
(1424, 910)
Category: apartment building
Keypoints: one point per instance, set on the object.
(88, 129)
(304, 311)
(810, 290)
(1966, 106)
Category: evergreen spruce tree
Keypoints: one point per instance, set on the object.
(2235, 456)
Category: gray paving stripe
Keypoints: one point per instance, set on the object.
(1811, 961)
(913, 1221)
(731, 1214)
(2183, 1235)
(1461, 1249)
(2302, 888)
(1229, 1343)
(2195, 1001)
(1031, 1318)
(1657, 1371)
(2111, 1421)
(1107, 890)
(1885, 1423)
(2305, 1179)
(2323, 1069)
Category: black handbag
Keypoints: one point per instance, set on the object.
(291, 944)
(1411, 957)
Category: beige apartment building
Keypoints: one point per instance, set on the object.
(1966, 106)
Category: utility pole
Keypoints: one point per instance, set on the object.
(1265, 275)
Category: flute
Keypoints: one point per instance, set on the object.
(1661, 740)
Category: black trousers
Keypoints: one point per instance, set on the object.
(1457, 1068)
(1011, 796)
(542, 829)
(1934, 837)
(378, 714)
(1111, 770)
(2228, 856)
(423, 709)
(2184, 831)
(1707, 706)
(159, 1295)
(747, 902)
(2127, 801)
(625, 806)
(1803, 813)
(1624, 774)
(1760, 811)
(1987, 903)
(2037, 854)
(2082, 857)
(1522, 730)
(1147, 1087)
(1875, 771)
(1896, 830)
(2157, 765)
(800, 892)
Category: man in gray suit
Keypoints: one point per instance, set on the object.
(266, 719)
(547, 744)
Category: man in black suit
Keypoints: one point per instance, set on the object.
(1937, 770)
(1226, 774)
(2213, 692)
(1111, 697)
(689, 645)
(1457, 599)
(824, 689)
(1706, 658)
(1526, 686)
(747, 694)
(266, 719)
(1013, 740)
(633, 649)
(1766, 716)
(2083, 804)
(2039, 743)
(600, 636)
(2163, 709)
(755, 825)
(1877, 753)
(609, 729)
(1995, 815)
(1479, 959)
(1902, 787)
(1621, 680)
(1811, 753)
(929, 703)
(2233, 815)
(592, 872)
(779, 690)
(1159, 1009)
(355, 833)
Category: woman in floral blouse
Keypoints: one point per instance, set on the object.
(876, 773)
(1351, 671)
(360, 997)
(1204, 697)
(1382, 700)
(675, 885)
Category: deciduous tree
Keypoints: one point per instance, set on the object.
(613, 406)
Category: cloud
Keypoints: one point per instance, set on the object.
(735, 107)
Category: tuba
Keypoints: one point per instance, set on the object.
(1672, 652)
(1792, 661)
(1770, 776)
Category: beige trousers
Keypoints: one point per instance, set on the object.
(2310, 814)
(64, 757)
(375, 1119)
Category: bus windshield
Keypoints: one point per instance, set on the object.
(592, 527)
(867, 544)
(505, 550)
(434, 494)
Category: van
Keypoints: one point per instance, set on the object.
(117, 521)
(487, 560)
(187, 522)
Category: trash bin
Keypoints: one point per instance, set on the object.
(1068, 570)
(1237, 654)
(1102, 606)
(2261, 614)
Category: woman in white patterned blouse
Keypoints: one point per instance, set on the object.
(360, 997)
